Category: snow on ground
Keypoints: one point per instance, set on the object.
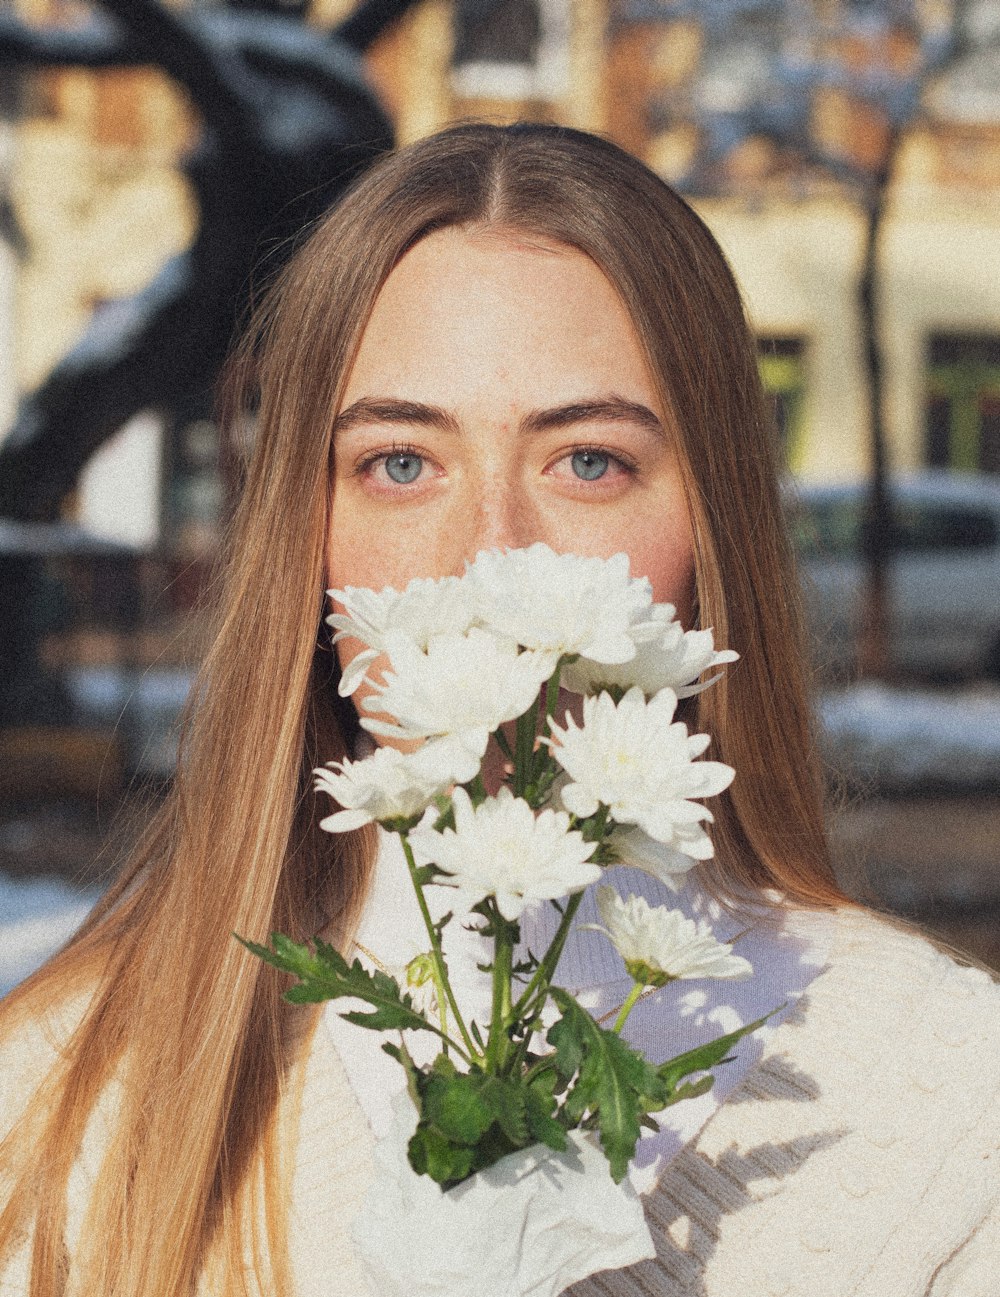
(907, 739)
(36, 916)
(902, 739)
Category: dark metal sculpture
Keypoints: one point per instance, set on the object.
(288, 119)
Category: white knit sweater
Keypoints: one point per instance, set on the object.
(859, 1157)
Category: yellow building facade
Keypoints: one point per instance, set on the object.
(93, 177)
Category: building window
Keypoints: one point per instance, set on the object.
(193, 502)
(518, 50)
(962, 424)
(782, 371)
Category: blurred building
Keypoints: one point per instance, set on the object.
(91, 174)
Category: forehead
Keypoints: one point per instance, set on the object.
(466, 308)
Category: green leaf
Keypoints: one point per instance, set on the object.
(324, 974)
(506, 1101)
(431, 1153)
(702, 1057)
(463, 1106)
(413, 1075)
(613, 1081)
(525, 967)
(691, 1089)
(455, 1107)
(539, 1106)
(446, 813)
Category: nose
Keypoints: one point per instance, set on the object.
(499, 516)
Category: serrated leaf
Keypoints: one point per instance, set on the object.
(691, 1089)
(431, 1153)
(506, 1101)
(454, 1106)
(324, 974)
(539, 1105)
(703, 1057)
(613, 1081)
(286, 955)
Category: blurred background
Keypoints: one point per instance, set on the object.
(157, 159)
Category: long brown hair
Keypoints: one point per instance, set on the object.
(187, 1028)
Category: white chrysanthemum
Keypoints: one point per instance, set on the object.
(427, 607)
(560, 603)
(391, 785)
(466, 686)
(638, 850)
(635, 759)
(660, 945)
(666, 657)
(502, 848)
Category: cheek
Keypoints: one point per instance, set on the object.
(362, 555)
(359, 553)
(667, 559)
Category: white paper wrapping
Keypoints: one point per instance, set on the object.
(532, 1224)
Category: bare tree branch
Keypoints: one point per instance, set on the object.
(216, 78)
(99, 44)
(369, 20)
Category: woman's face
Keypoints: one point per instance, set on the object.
(500, 397)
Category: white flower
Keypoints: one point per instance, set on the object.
(464, 685)
(392, 785)
(560, 603)
(502, 848)
(632, 759)
(667, 657)
(638, 850)
(426, 608)
(660, 945)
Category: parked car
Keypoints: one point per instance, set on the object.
(944, 571)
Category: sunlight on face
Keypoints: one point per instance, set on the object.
(500, 397)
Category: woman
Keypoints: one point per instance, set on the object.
(516, 334)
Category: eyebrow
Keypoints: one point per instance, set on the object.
(609, 409)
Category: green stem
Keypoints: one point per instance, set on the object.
(542, 755)
(453, 1044)
(442, 999)
(503, 958)
(550, 959)
(503, 745)
(552, 693)
(441, 970)
(546, 1064)
(527, 728)
(628, 1006)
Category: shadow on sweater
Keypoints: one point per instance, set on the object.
(784, 1080)
(695, 1191)
(686, 1209)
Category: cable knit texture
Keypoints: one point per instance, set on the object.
(860, 1157)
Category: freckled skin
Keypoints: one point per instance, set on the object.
(490, 329)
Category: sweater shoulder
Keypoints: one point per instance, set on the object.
(33, 1042)
(890, 980)
(893, 1014)
(862, 1151)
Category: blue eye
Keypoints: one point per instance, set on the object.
(590, 464)
(403, 467)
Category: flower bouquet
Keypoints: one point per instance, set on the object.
(514, 1117)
